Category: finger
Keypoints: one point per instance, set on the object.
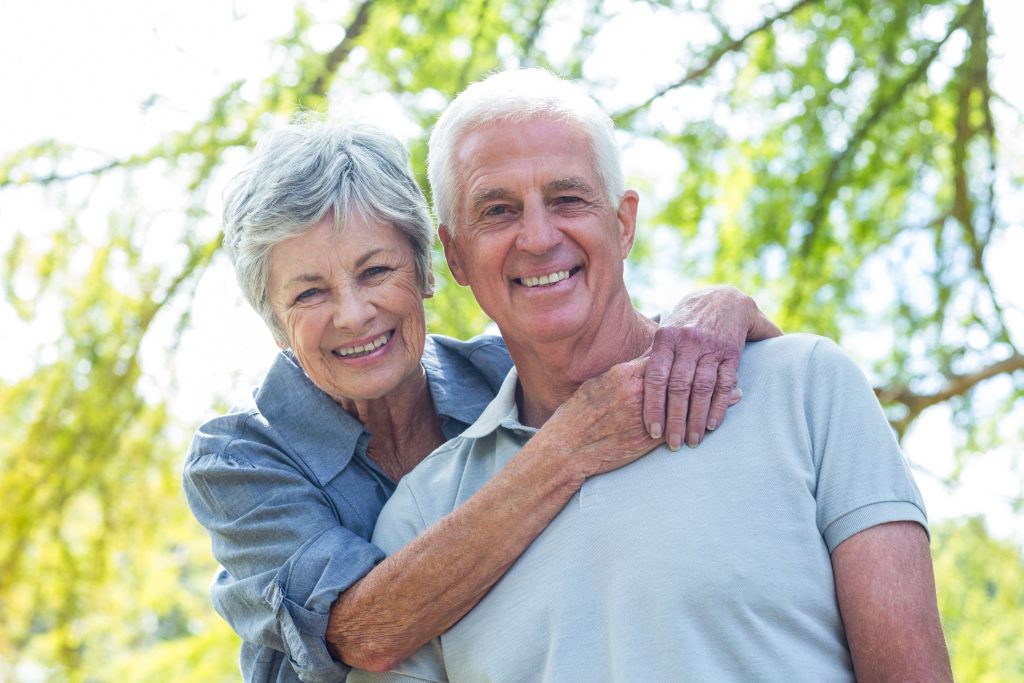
(679, 384)
(726, 394)
(762, 328)
(659, 367)
(705, 378)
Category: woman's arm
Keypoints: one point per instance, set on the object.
(691, 378)
(429, 584)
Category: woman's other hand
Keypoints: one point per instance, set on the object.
(691, 377)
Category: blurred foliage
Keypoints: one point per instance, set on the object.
(981, 599)
(843, 165)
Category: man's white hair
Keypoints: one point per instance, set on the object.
(516, 96)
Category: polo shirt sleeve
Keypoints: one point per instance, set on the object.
(399, 522)
(284, 555)
(863, 478)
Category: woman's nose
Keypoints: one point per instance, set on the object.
(353, 309)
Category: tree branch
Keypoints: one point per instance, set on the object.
(342, 50)
(956, 385)
(719, 53)
(882, 105)
(535, 28)
(481, 22)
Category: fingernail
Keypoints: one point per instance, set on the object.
(674, 442)
(655, 430)
(692, 439)
(712, 425)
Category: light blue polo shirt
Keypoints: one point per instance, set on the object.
(700, 565)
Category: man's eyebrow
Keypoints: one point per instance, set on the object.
(490, 194)
(570, 184)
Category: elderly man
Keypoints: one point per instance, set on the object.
(792, 547)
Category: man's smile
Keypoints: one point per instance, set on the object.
(548, 279)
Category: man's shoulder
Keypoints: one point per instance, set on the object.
(794, 351)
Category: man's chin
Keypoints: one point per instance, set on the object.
(545, 329)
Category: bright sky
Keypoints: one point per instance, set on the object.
(115, 75)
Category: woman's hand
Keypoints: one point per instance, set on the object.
(692, 377)
(599, 427)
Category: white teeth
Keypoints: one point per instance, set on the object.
(546, 279)
(364, 348)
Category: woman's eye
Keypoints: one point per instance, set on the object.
(376, 271)
(308, 294)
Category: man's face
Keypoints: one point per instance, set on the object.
(537, 240)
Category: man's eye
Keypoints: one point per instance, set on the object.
(498, 210)
(567, 200)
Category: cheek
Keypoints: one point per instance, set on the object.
(409, 301)
(300, 326)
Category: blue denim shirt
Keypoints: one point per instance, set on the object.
(289, 496)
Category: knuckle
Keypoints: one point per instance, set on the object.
(703, 386)
(667, 335)
(679, 385)
(676, 423)
(657, 374)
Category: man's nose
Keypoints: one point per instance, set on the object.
(353, 309)
(539, 232)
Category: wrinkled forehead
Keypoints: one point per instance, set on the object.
(546, 152)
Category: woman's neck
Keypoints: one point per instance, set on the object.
(403, 425)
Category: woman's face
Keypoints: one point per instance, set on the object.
(352, 307)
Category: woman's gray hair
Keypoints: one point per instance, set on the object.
(513, 97)
(303, 172)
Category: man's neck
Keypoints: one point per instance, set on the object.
(550, 373)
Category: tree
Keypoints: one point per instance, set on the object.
(981, 581)
(841, 159)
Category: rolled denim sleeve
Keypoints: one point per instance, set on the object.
(284, 553)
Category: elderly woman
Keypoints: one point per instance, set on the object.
(331, 242)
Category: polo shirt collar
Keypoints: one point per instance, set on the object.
(503, 411)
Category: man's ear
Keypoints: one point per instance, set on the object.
(452, 255)
(627, 220)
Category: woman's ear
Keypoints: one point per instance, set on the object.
(429, 291)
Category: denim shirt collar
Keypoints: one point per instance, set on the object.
(459, 393)
(326, 437)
